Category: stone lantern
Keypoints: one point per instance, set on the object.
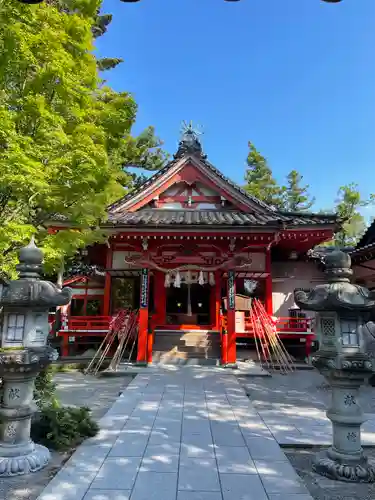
(24, 353)
(342, 311)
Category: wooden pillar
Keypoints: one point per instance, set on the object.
(64, 345)
(143, 318)
(231, 318)
(268, 284)
(107, 283)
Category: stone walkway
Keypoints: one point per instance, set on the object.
(185, 434)
(294, 408)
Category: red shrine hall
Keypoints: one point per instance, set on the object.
(189, 252)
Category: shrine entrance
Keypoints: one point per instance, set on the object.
(189, 304)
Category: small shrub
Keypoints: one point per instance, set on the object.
(45, 389)
(56, 426)
(63, 428)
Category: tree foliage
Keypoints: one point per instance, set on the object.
(347, 208)
(259, 179)
(65, 139)
(296, 196)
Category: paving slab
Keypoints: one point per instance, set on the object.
(186, 433)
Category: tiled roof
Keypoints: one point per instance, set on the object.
(368, 238)
(160, 217)
(362, 250)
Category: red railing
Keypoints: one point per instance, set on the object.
(293, 325)
(285, 325)
(87, 324)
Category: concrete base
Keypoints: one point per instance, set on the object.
(358, 471)
(23, 464)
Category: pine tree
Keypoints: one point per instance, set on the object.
(297, 198)
(260, 181)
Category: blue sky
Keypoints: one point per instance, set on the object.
(296, 77)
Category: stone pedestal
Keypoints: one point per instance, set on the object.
(18, 370)
(345, 459)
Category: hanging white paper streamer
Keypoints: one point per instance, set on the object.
(201, 278)
(211, 279)
(167, 281)
(177, 280)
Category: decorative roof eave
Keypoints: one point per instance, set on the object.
(190, 228)
(368, 238)
(363, 254)
(172, 168)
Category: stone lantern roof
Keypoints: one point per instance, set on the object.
(29, 290)
(339, 293)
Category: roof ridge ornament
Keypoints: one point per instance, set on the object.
(189, 143)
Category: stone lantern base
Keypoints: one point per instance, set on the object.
(14, 463)
(345, 459)
(328, 464)
(18, 369)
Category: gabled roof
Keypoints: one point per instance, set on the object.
(177, 165)
(245, 210)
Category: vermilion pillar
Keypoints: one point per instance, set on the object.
(107, 283)
(231, 318)
(268, 284)
(143, 318)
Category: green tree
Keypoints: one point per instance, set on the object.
(65, 139)
(260, 181)
(296, 196)
(353, 223)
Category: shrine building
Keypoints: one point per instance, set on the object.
(189, 250)
(363, 259)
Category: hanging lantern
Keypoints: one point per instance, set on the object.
(177, 280)
(211, 279)
(201, 278)
(167, 281)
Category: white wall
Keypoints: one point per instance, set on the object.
(286, 277)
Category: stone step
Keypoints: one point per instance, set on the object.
(187, 349)
(188, 343)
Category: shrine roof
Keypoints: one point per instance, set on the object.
(365, 248)
(202, 159)
(190, 166)
(368, 238)
(159, 217)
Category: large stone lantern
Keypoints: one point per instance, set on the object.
(342, 311)
(24, 352)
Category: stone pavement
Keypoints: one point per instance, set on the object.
(293, 407)
(186, 434)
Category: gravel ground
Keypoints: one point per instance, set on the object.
(321, 488)
(74, 389)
